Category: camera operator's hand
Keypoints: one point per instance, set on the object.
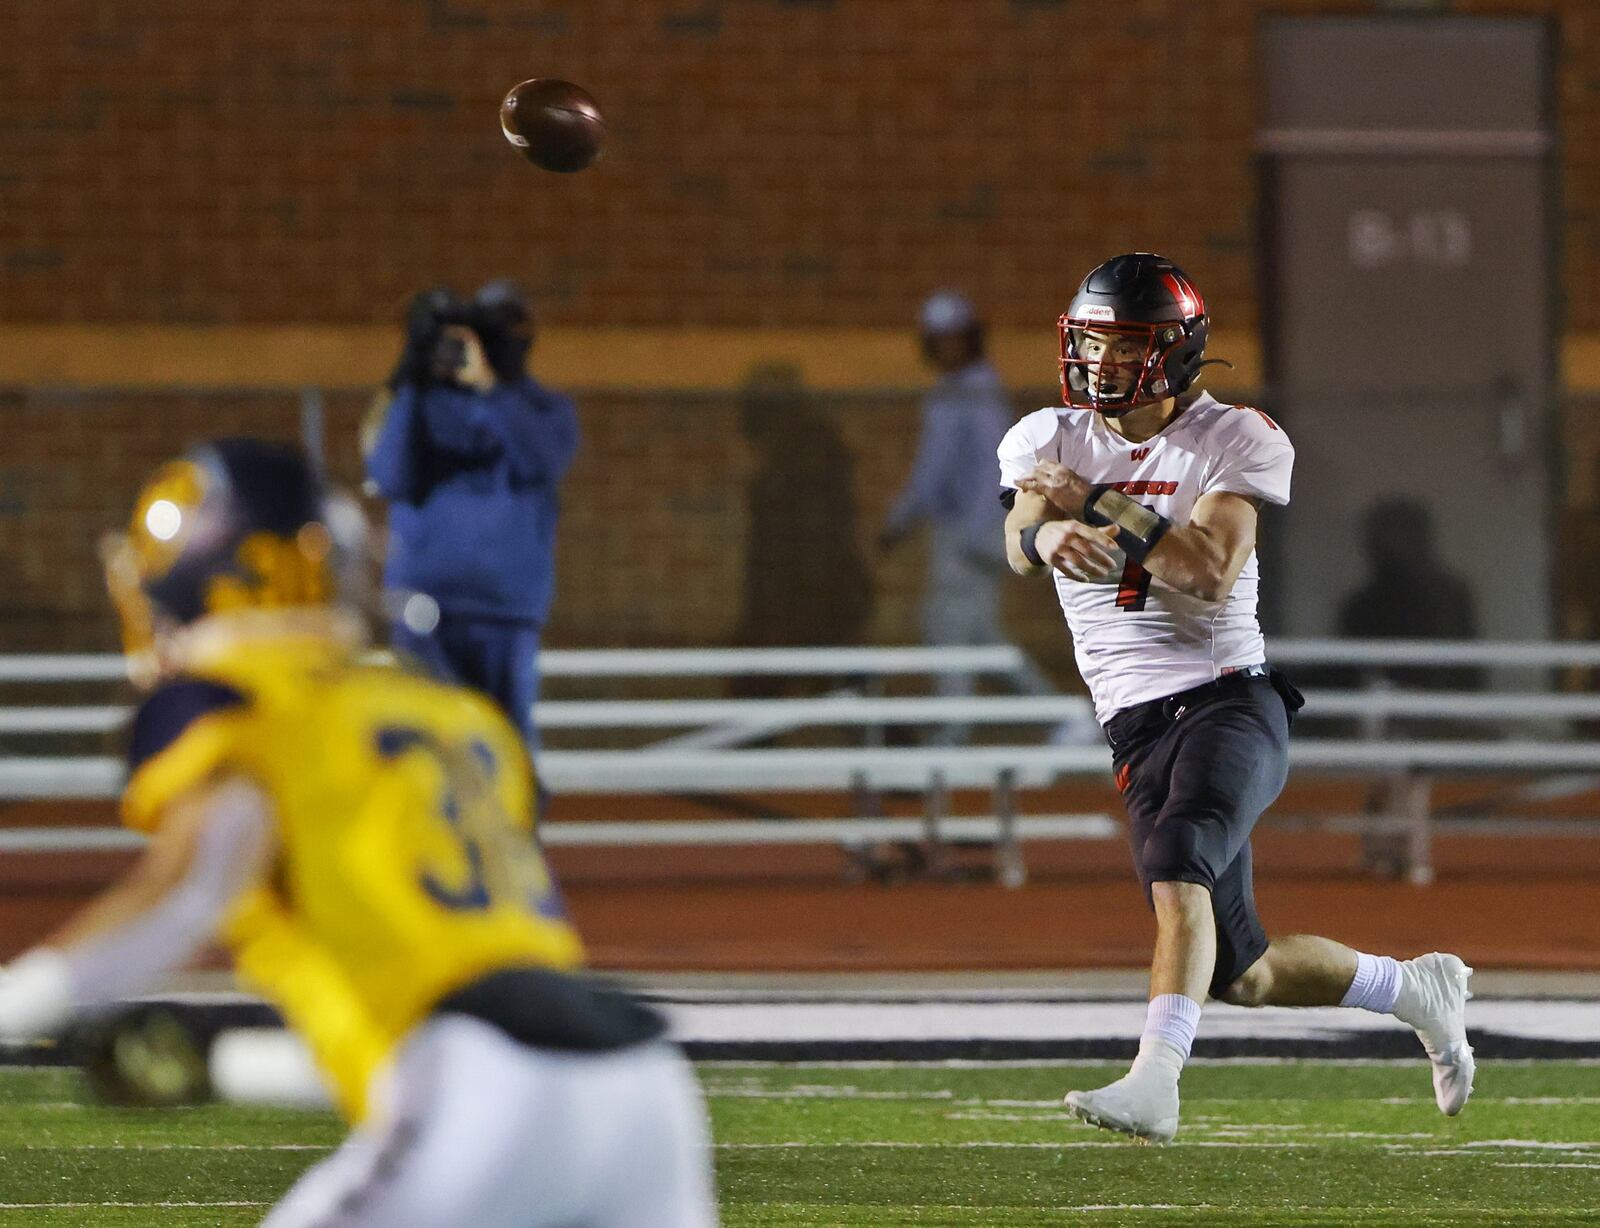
(474, 371)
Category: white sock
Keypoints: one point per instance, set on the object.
(1376, 986)
(1170, 1023)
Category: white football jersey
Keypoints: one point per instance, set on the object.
(1135, 637)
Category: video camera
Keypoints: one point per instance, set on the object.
(436, 354)
(499, 316)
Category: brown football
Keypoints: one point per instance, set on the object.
(555, 124)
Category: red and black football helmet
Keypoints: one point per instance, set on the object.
(1145, 300)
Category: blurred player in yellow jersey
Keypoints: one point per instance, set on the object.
(361, 838)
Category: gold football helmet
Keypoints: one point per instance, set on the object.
(236, 525)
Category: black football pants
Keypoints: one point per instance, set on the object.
(1196, 770)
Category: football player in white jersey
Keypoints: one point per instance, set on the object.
(1141, 496)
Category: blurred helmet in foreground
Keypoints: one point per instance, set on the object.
(235, 525)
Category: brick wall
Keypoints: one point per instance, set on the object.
(68, 473)
(773, 162)
(657, 541)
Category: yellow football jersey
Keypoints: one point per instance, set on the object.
(404, 812)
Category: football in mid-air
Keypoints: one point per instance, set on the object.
(555, 124)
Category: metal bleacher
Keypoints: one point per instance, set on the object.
(1521, 729)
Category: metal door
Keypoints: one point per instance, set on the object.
(1408, 296)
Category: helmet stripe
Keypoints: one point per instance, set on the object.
(1188, 297)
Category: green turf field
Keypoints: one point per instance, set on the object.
(848, 1145)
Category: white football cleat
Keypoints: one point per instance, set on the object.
(1143, 1106)
(1433, 1000)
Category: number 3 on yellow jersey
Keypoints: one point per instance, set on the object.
(494, 863)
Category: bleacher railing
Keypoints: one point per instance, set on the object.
(1405, 765)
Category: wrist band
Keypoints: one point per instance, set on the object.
(1138, 528)
(1030, 551)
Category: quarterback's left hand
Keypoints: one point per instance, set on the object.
(1078, 551)
(1063, 488)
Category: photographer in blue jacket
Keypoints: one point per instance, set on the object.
(469, 454)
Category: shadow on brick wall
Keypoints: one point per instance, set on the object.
(718, 518)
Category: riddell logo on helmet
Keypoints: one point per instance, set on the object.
(1097, 311)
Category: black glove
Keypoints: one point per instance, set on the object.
(143, 1057)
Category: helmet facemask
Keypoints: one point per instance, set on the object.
(1150, 324)
(1113, 366)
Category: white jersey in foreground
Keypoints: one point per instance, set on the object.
(1135, 637)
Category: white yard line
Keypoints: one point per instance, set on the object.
(997, 1145)
(174, 1147)
(1139, 1206)
(81, 1206)
(815, 1022)
(803, 1092)
(1040, 1117)
(1089, 1207)
(1483, 1149)
(1036, 1063)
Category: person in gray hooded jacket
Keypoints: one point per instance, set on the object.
(951, 489)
